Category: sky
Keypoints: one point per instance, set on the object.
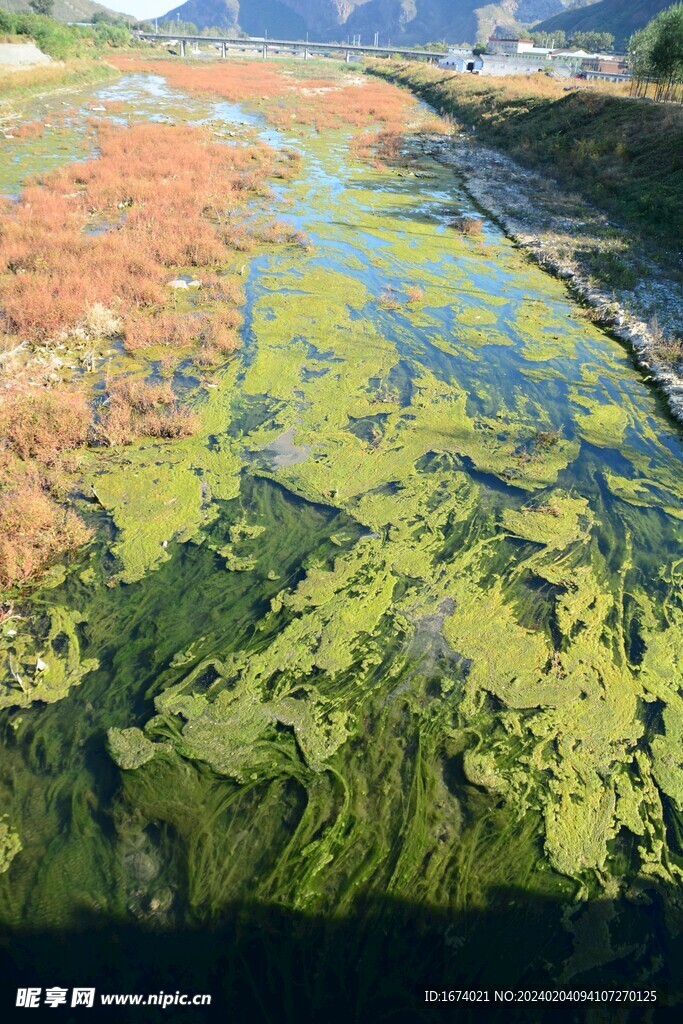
(142, 9)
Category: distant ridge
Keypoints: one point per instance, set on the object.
(620, 17)
(64, 10)
(405, 22)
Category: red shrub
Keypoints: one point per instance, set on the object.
(164, 190)
(34, 530)
(39, 423)
(136, 408)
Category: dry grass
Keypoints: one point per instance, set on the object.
(39, 423)
(290, 166)
(280, 233)
(38, 426)
(181, 331)
(161, 328)
(382, 148)
(234, 81)
(168, 189)
(34, 530)
(320, 103)
(28, 130)
(221, 288)
(100, 322)
(669, 350)
(134, 408)
(29, 81)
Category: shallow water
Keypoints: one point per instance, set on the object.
(413, 637)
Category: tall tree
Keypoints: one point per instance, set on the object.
(656, 55)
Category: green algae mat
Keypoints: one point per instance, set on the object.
(372, 685)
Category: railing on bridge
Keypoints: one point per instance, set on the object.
(307, 47)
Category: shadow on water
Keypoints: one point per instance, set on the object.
(264, 963)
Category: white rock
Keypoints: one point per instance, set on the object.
(178, 283)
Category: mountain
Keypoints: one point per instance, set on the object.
(64, 10)
(255, 17)
(405, 22)
(620, 17)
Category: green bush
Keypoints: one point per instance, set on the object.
(60, 42)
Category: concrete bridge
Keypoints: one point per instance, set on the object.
(295, 46)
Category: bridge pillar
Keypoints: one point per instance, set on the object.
(264, 52)
(348, 57)
(224, 51)
(182, 47)
(305, 53)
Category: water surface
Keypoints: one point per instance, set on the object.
(409, 669)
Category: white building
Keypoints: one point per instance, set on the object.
(513, 47)
(522, 64)
(459, 59)
(462, 61)
(572, 55)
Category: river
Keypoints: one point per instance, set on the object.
(398, 685)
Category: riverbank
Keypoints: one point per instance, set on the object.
(562, 235)
(631, 290)
(33, 83)
(619, 153)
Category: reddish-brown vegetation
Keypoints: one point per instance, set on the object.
(162, 198)
(28, 130)
(321, 103)
(135, 408)
(216, 328)
(37, 425)
(163, 328)
(168, 198)
(240, 81)
(40, 423)
(166, 191)
(382, 148)
(34, 529)
(277, 232)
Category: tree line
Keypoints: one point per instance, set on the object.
(656, 56)
(592, 42)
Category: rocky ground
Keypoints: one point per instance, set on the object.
(643, 306)
(17, 56)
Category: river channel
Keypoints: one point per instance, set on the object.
(381, 666)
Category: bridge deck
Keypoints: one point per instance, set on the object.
(299, 44)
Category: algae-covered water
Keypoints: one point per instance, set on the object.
(371, 686)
